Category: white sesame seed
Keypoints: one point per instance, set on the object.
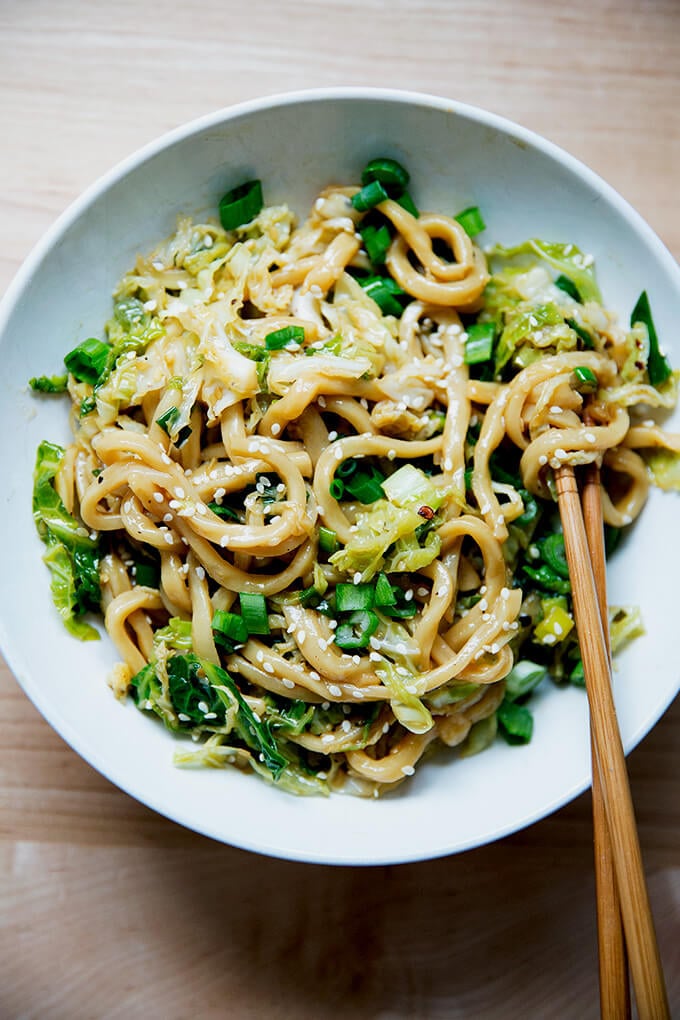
(556, 409)
(167, 518)
(505, 593)
(287, 683)
(357, 577)
(179, 492)
(203, 706)
(224, 541)
(423, 592)
(374, 657)
(267, 667)
(335, 691)
(483, 605)
(321, 401)
(168, 538)
(408, 770)
(174, 504)
(356, 659)
(158, 496)
(590, 437)
(391, 454)
(200, 573)
(345, 726)
(301, 635)
(183, 718)
(314, 676)
(332, 436)
(543, 460)
(332, 624)
(408, 595)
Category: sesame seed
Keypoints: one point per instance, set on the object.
(328, 738)
(174, 504)
(267, 667)
(321, 401)
(408, 770)
(486, 617)
(356, 659)
(276, 428)
(323, 644)
(543, 460)
(167, 518)
(179, 492)
(391, 454)
(287, 683)
(345, 726)
(374, 657)
(158, 496)
(556, 409)
(182, 717)
(200, 573)
(224, 540)
(590, 437)
(357, 577)
(219, 493)
(423, 592)
(408, 595)
(314, 676)
(301, 635)
(559, 629)
(483, 604)
(203, 706)
(332, 436)
(168, 538)
(335, 691)
(332, 624)
(505, 593)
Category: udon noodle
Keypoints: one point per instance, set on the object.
(310, 485)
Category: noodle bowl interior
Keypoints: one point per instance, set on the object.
(310, 488)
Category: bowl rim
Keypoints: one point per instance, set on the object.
(522, 136)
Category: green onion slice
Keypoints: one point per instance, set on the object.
(48, 383)
(384, 592)
(328, 541)
(569, 287)
(351, 597)
(585, 379)
(479, 343)
(522, 679)
(337, 488)
(229, 629)
(387, 171)
(582, 333)
(515, 721)
(365, 486)
(386, 293)
(357, 631)
(347, 467)
(254, 613)
(241, 204)
(554, 554)
(282, 337)
(371, 194)
(168, 419)
(88, 361)
(407, 203)
(377, 241)
(658, 366)
(471, 221)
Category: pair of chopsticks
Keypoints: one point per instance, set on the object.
(620, 881)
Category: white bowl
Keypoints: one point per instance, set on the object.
(298, 143)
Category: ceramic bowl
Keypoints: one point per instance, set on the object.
(458, 156)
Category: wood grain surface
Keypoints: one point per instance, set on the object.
(110, 911)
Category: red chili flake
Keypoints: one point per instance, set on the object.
(427, 512)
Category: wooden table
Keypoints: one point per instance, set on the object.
(111, 911)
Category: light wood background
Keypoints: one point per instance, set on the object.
(109, 911)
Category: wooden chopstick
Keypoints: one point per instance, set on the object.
(643, 951)
(613, 964)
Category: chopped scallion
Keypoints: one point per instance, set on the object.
(384, 592)
(516, 722)
(282, 337)
(407, 203)
(479, 343)
(377, 241)
(254, 612)
(387, 171)
(371, 194)
(328, 540)
(168, 420)
(48, 383)
(583, 334)
(352, 597)
(585, 380)
(522, 679)
(365, 486)
(241, 204)
(337, 488)
(386, 293)
(229, 629)
(658, 366)
(224, 511)
(356, 632)
(569, 287)
(471, 221)
(88, 361)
